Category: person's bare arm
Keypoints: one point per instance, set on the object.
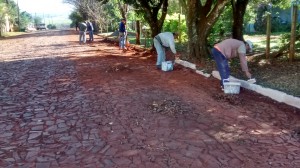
(243, 62)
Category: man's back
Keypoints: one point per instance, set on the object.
(82, 26)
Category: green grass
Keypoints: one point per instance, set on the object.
(11, 34)
(148, 41)
(259, 41)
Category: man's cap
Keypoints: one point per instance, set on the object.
(250, 45)
(176, 33)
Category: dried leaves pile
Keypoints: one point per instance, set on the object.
(118, 68)
(230, 98)
(172, 108)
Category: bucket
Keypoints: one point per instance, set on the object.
(231, 87)
(167, 66)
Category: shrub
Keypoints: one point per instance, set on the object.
(171, 24)
(51, 26)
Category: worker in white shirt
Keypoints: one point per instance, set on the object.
(162, 41)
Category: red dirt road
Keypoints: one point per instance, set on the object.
(68, 105)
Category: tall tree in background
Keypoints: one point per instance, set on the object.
(8, 10)
(3, 10)
(92, 10)
(153, 11)
(25, 19)
(123, 7)
(200, 18)
(238, 11)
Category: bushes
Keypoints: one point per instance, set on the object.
(171, 25)
(51, 26)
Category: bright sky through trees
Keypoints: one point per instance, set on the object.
(45, 7)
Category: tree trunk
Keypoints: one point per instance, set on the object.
(191, 27)
(200, 20)
(293, 33)
(239, 8)
(138, 33)
(123, 9)
(268, 41)
(155, 27)
(201, 49)
(179, 27)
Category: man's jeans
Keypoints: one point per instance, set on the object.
(122, 42)
(222, 64)
(161, 56)
(91, 35)
(82, 37)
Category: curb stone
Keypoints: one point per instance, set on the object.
(271, 93)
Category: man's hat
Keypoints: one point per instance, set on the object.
(250, 45)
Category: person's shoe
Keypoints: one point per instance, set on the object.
(222, 88)
(158, 67)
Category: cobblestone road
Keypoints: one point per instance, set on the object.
(68, 105)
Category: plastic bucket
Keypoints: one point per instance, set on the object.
(231, 87)
(167, 66)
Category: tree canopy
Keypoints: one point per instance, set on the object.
(153, 11)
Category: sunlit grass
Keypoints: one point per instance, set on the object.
(260, 41)
(11, 34)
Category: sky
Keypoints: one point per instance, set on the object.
(46, 8)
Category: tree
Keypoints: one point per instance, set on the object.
(153, 11)
(238, 12)
(113, 14)
(37, 20)
(174, 7)
(92, 10)
(3, 10)
(123, 7)
(261, 7)
(8, 10)
(25, 19)
(200, 18)
(75, 17)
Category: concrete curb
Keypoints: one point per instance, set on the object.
(273, 94)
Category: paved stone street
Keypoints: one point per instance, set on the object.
(68, 105)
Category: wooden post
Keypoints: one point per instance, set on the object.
(146, 39)
(268, 36)
(293, 33)
(179, 30)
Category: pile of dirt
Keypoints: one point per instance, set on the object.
(118, 68)
(172, 108)
(296, 133)
(232, 99)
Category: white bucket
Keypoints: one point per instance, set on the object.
(232, 87)
(167, 66)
